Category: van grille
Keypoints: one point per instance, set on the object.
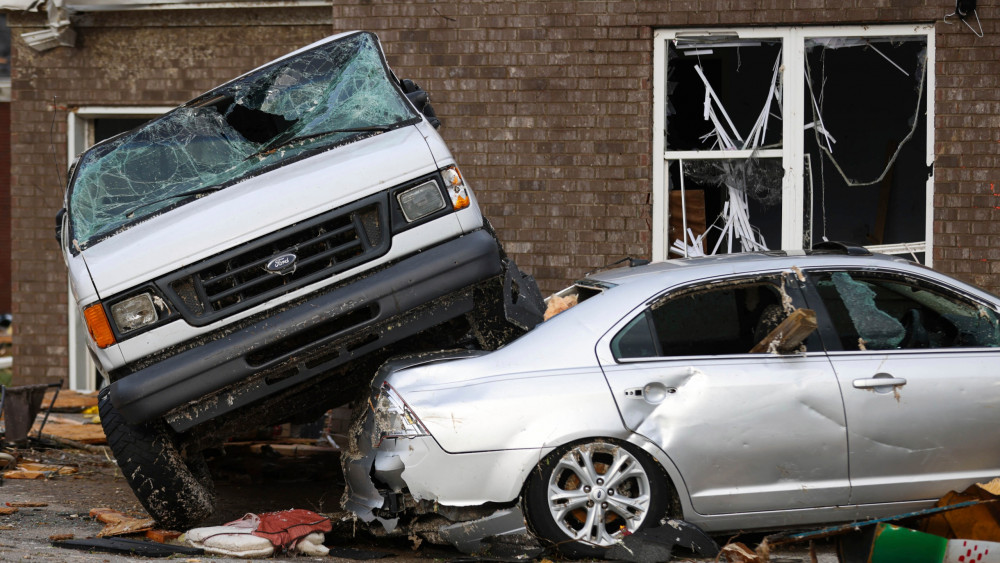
(253, 273)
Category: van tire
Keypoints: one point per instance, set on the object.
(160, 477)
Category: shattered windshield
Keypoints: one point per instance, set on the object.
(336, 93)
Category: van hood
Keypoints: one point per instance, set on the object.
(255, 207)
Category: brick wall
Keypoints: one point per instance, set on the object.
(547, 106)
(548, 109)
(121, 59)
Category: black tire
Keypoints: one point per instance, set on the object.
(637, 477)
(161, 478)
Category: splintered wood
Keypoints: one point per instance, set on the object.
(788, 335)
(119, 524)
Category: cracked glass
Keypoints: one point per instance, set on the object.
(335, 93)
(883, 313)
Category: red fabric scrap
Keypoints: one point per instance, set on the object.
(285, 528)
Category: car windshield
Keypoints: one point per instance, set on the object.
(335, 93)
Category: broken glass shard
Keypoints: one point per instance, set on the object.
(878, 329)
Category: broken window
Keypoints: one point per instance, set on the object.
(728, 318)
(872, 312)
(311, 101)
(780, 137)
(866, 103)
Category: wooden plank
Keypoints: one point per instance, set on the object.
(788, 335)
(83, 433)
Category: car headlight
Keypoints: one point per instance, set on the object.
(421, 201)
(134, 313)
(393, 417)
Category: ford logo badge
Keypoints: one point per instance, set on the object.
(281, 263)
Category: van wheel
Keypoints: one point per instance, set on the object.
(585, 497)
(163, 481)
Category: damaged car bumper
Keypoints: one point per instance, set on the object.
(262, 357)
(391, 453)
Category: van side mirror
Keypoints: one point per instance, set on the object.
(60, 217)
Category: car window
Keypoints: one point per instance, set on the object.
(725, 318)
(878, 312)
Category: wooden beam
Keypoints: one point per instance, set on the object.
(788, 335)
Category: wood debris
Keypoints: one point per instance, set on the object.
(4, 511)
(71, 401)
(120, 524)
(27, 504)
(30, 470)
(788, 335)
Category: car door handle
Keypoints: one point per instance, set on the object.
(878, 382)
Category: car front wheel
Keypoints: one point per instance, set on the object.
(585, 497)
(177, 492)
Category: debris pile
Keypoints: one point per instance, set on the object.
(259, 535)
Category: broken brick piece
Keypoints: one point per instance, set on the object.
(5, 510)
(162, 536)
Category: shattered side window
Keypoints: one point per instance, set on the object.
(727, 318)
(872, 312)
(335, 93)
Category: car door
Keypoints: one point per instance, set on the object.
(747, 431)
(919, 370)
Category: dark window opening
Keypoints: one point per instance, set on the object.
(867, 95)
(726, 319)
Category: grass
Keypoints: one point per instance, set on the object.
(5, 377)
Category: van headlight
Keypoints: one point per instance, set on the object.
(394, 418)
(421, 201)
(134, 313)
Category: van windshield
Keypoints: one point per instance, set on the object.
(336, 93)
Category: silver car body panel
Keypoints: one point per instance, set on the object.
(748, 441)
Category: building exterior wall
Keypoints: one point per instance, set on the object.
(547, 106)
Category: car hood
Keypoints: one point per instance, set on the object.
(257, 206)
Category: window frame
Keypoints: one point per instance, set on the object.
(792, 152)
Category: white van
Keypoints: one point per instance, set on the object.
(250, 258)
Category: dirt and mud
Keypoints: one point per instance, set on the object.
(256, 479)
(245, 482)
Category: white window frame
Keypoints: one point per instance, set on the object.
(79, 137)
(793, 124)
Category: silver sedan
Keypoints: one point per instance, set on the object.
(734, 392)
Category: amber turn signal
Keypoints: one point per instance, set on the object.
(97, 324)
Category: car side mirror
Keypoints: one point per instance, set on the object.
(788, 336)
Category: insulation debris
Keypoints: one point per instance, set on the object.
(557, 304)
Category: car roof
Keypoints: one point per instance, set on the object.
(722, 264)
